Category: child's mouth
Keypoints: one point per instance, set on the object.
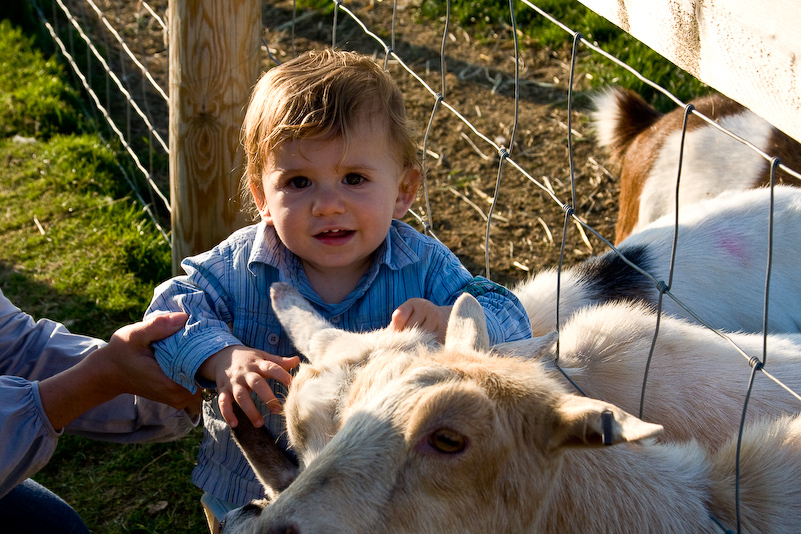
(333, 237)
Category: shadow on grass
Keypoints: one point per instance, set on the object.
(79, 314)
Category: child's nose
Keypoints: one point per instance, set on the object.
(328, 201)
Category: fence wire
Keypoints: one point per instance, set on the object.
(86, 19)
(77, 27)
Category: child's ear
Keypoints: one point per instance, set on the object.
(261, 205)
(407, 191)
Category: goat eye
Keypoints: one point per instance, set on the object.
(447, 441)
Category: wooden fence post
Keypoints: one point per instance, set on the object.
(214, 62)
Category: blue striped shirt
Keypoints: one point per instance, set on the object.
(226, 292)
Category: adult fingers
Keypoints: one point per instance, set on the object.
(156, 327)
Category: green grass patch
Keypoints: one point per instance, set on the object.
(70, 228)
(36, 101)
(78, 249)
(139, 488)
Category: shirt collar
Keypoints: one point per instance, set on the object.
(268, 249)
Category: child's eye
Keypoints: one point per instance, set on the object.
(299, 182)
(354, 179)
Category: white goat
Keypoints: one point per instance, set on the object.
(645, 146)
(454, 440)
(697, 381)
(721, 261)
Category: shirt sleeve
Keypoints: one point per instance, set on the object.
(27, 436)
(447, 278)
(506, 318)
(132, 419)
(34, 350)
(202, 294)
(38, 349)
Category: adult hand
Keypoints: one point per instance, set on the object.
(132, 367)
(125, 365)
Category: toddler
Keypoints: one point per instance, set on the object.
(331, 167)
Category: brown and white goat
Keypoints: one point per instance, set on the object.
(453, 440)
(720, 268)
(644, 145)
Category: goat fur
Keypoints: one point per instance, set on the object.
(696, 379)
(453, 439)
(719, 274)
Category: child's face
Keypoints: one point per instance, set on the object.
(333, 209)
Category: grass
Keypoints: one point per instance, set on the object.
(78, 249)
(486, 15)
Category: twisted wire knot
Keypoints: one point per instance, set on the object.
(756, 363)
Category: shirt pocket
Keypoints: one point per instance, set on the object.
(262, 331)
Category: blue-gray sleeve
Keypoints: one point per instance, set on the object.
(447, 278)
(202, 294)
(506, 318)
(34, 350)
(28, 437)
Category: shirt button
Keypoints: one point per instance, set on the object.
(335, 319)
(273, 338)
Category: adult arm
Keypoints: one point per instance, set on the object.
(33, 414)
(36, 350)
(28, 438)
(125, 365)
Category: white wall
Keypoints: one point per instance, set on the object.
(749, 51)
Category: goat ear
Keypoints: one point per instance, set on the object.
(273, 467)
(297, 316)
(535, 348)
(585, 422)
(467, 325)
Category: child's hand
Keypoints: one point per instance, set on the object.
(238, 370)
(423, 314)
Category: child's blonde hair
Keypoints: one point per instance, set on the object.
(319, 95)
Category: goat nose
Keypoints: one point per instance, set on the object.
(283, 529)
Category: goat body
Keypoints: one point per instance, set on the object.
(452, 439)
(720, 267)
(645, 145)
(695, 381)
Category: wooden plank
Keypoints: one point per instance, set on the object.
(749, 51)
(214, 62)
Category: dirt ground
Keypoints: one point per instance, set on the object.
(462, 169)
